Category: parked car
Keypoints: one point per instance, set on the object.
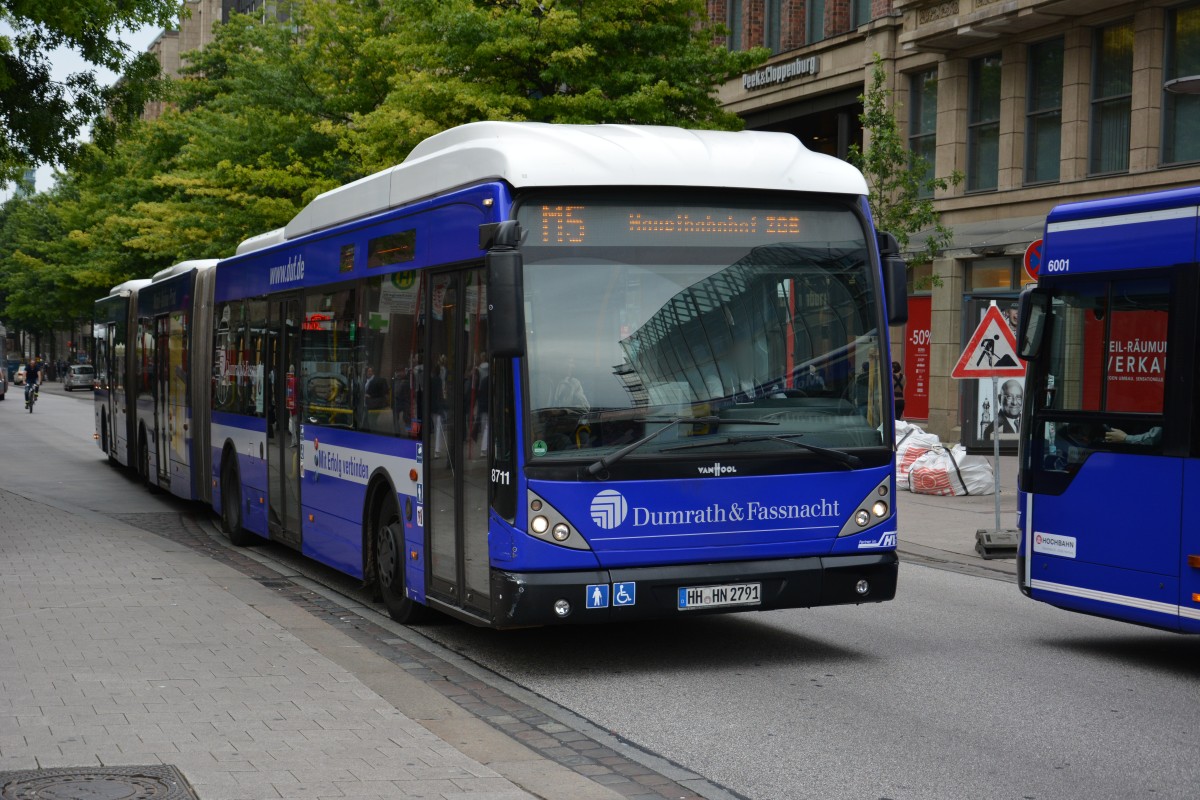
(3, 384)
(79, 376)
(20, 379)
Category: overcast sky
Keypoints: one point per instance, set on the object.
(64, 62)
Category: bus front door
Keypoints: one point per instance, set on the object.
(456, 463)
(283, 421)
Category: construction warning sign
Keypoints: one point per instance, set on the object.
(991, 351)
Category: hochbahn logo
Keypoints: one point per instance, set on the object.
(293, 270)
(610, 509)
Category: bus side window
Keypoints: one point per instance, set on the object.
(393, 344)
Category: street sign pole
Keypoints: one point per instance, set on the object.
(993, 343)
(996, 453)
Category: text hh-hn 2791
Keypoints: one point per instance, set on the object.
(1110, 441)
(540, 374)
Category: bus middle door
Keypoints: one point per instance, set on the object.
(283, 421)
(163, 416)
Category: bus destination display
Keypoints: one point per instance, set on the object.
(608, 225)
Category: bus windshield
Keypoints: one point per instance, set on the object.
(1103, 382)
(760, 322)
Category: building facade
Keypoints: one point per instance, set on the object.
(197, 27)
(1034, 102)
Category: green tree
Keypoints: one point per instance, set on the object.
(43, 117)
(575, 61)
(271, 113)
(900, 183)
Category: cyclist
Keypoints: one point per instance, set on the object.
(33, 379)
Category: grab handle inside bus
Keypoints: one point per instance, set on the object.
(505, 288)
(1031, 324)
(895, 278)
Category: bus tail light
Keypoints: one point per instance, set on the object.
(1194, 561)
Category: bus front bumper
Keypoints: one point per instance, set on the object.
(533, 598)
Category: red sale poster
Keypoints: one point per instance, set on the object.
(1134, 363)
(916, 358)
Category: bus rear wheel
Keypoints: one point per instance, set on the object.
(389, 565)
(231, 509)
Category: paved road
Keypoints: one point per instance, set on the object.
(960, 688)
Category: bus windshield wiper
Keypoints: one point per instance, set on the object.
(613, 457)
(840, 456)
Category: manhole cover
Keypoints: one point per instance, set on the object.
(96, 783)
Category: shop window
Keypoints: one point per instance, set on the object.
(1112, 92)
(1043, 116)
(992, 273)
(1181, 112)
(983, 124)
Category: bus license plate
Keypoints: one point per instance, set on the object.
(731, 594)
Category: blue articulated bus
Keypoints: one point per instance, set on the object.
(542, 374)
(1109, 443)
(114, 317)
(153, 359)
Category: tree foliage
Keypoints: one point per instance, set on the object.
(42, 118)
(900, 182)
(577, 61)
(272, 113)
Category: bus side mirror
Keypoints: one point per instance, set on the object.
(505, 289)
(895, 278)
(1031, 322)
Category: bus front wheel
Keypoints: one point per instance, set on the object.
(389, 565)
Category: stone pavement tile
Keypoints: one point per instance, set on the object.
(115, 648)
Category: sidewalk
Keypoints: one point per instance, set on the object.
(122, 648)
(943, 528)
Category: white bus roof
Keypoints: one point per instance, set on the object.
(128, 286)
(533, 154)
(183, 266)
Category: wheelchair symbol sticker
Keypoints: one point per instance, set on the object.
(625, 594)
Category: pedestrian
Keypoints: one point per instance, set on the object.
(898, 388)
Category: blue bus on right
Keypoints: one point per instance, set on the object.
(1110, 436)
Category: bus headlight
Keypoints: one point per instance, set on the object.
(551, 525)
(874, 509)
